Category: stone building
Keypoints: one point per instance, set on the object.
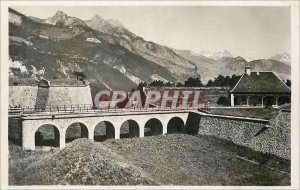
(27, 92)
(260, 88)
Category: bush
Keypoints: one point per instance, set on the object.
(223, 101)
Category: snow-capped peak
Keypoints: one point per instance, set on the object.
(216, 54)
(282, 57)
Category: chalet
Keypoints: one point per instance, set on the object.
(263, 88)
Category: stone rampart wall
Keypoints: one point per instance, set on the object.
(273, 137)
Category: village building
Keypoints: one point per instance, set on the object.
(260, 88)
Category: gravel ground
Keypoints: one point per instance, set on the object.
(157, 160)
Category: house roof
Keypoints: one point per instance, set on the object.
(260, 82)
(16, 81)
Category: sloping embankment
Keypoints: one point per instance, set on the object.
(81, 163)
(157, 160)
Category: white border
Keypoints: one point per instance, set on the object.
(295, 83)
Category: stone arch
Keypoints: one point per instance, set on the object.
(47, 135)
(76, 130)
(175, 125)
(153, 127)
(129, 129)
(104, 130)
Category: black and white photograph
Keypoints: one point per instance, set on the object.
(149, 94)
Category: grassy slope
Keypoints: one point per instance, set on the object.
(162, 160)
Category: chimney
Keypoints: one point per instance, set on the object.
(248, 70)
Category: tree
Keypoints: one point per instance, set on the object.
(15, 83)
(79, 75)
(223, 101)
(288, 83)
(179, 84)
(234, 80)
(219, 81)
(224, 81)
(157, 83)
(193, 82)
(169, 84)
(210, 83)
(141, 85)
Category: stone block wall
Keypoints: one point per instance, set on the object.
(43, 97)
(273, 137)
(81, 95)
(24, 96)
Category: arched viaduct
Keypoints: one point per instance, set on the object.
(139, 124)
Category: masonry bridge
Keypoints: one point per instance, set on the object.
(100, 126)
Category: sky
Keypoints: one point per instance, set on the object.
(252, 32)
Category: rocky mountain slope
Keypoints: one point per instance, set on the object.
(61, 18)
(58, 51)
(109, 54)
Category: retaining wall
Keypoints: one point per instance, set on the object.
(273, 137)
(24, 96)
(30, 96)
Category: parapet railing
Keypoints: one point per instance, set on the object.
(86, 108)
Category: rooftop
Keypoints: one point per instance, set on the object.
(261, 82)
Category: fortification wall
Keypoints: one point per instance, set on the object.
(274, 138)
(82, 95)
(24, 96)
(15, 129)
(31, 96)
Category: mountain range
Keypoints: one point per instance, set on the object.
(112, 56)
